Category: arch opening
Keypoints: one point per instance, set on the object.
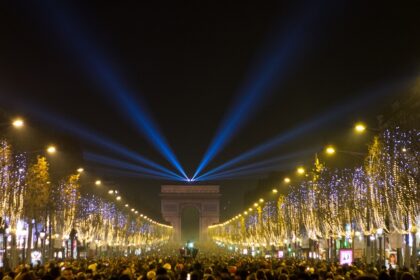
(190, 224)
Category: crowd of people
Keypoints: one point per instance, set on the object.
(168, 264)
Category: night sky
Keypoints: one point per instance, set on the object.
(189, 62)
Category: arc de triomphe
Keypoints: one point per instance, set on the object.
(174, 198)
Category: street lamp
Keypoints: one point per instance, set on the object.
(287, 180)
(51, 149)
(330, 150)
(98, 182)
(80, 170)
(300, 170)
(18, 123)
(359, 127)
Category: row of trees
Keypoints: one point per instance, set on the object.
(383, 195)
(30, 203)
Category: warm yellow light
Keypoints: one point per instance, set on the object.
(330, 150)
(132, 209)
(300, 170)
(404, 150)
(98, 182)
(250, 209)
(274, 191)
(80, 170)
(126, 205)
(110, 191)
(136, 212)
(18, 123)
(360, 127)
(287, 180)
(245, 212)
(261, 200)
(255, 204)
(51, 150)
(118, 198)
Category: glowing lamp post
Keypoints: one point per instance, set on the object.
(300, 170)
(330, 150)
(51, 150)
(360, 127)
(18, 123)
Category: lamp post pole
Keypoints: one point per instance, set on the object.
(42, 236)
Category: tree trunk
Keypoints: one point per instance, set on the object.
(414, 252)
(407, 251)
(29, 242)
(13, 252)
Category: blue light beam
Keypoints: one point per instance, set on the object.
(341, 110)
(274, 65)
(124, 173)
(261, 164)
(86, 134)
(101, 70)
(104, 160)
(249, 173)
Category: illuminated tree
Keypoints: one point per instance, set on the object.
(35, 199)
(6, 191)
